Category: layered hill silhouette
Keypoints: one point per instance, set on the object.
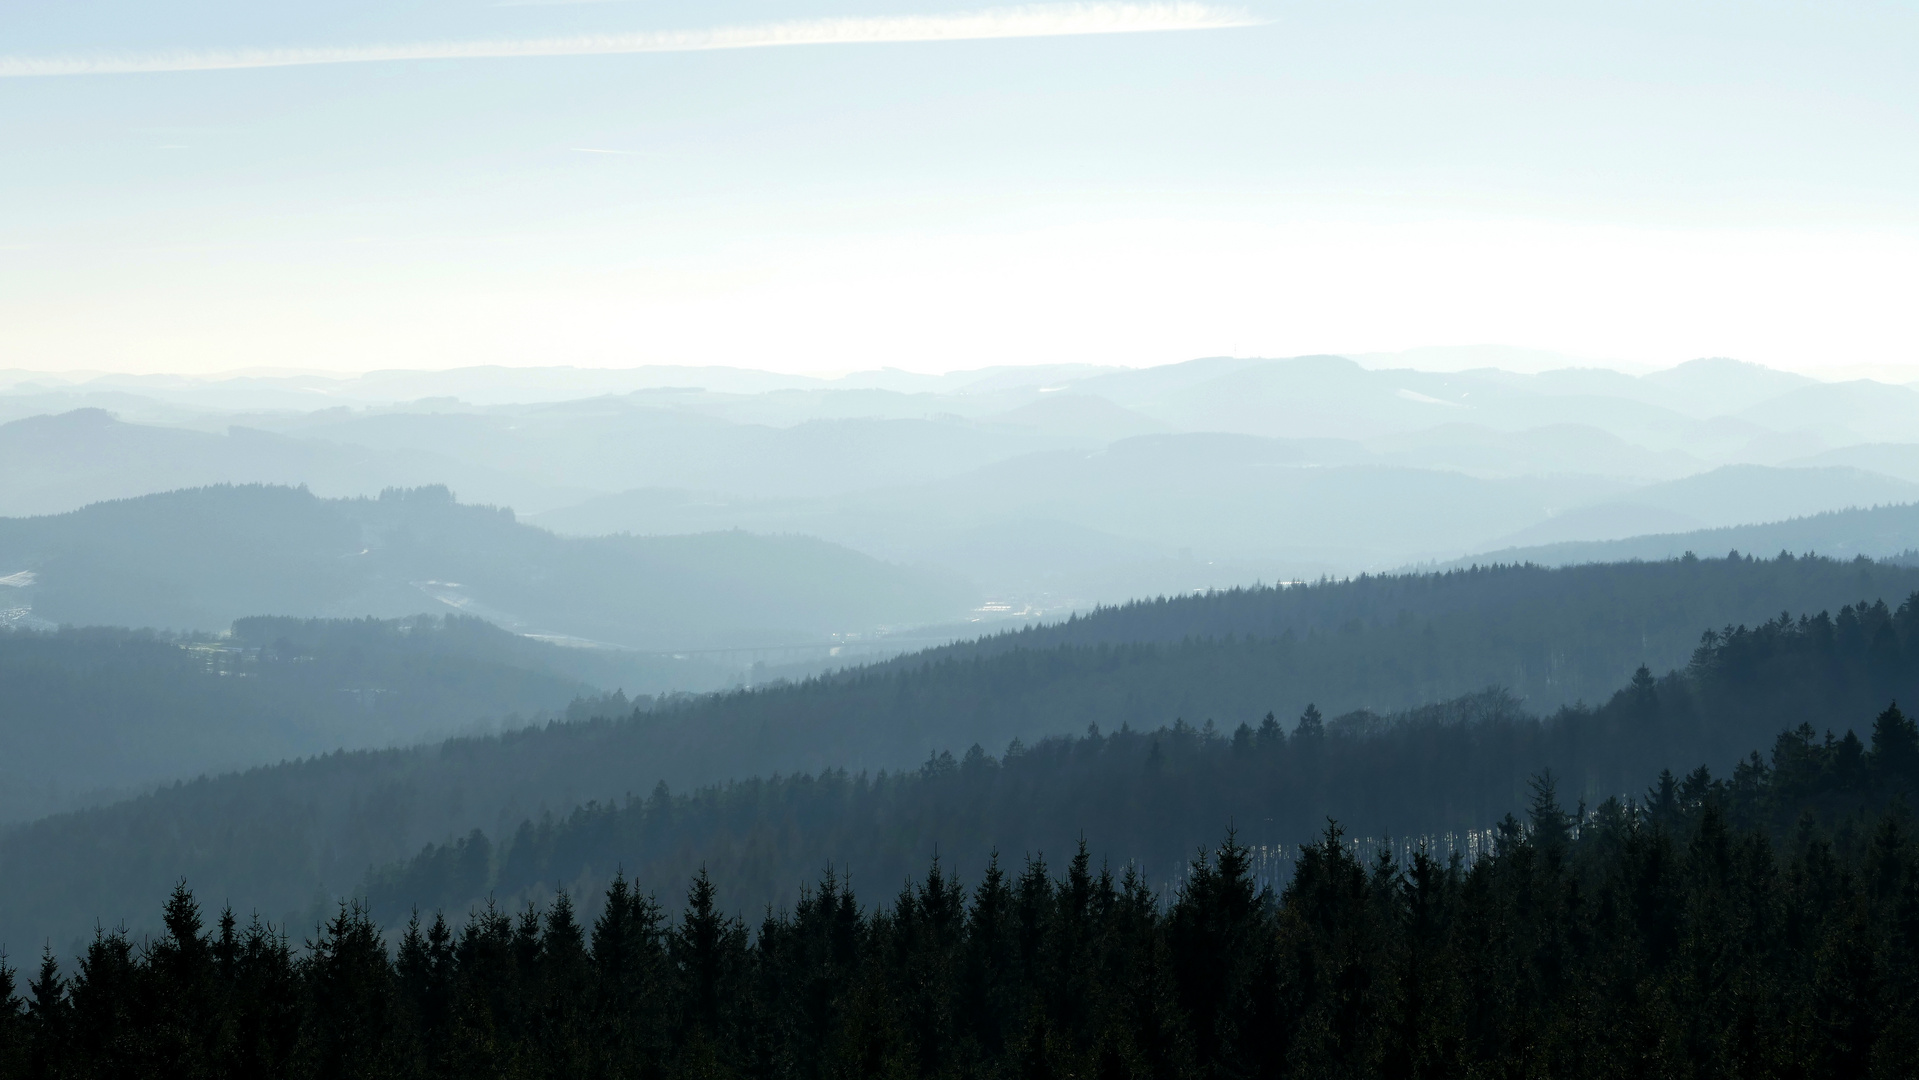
(1879, 532)
(199, 559)
(1052, 488)
(52, 464)
(276, 838)
(93, 715)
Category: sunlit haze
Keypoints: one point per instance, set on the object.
(932, 187)
(959, 539)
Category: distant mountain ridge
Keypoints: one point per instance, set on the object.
(1730, 496)
(1253, 509)
(93, 715)
(1880, 532)
(52, 464)
(201, 558)
(1053, 488)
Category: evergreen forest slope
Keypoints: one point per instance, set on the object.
(1552, 636)
(1804, 705)
(1685, 936)
(286, 838)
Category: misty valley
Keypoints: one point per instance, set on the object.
(1229, 718)
(958, 540)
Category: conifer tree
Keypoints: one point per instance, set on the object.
(48, 1020)
(1895, 748)
(632, 992)
(708, 951)
(13, 1036)
(352, 1023)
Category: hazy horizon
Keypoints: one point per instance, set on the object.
(1437, 359)
(540, 459)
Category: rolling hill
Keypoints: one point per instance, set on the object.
(93, 715)
(199, 559)
(1880, 532)
(277, 838)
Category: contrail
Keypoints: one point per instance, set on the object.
(1047, 20)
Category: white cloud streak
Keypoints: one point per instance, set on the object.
(1046, 20)
(551, 3)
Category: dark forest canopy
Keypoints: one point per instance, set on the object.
(92, 714)
(1438, 771)
(1679, 937)
(284, 840)
(1550, 636)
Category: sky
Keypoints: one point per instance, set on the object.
(825, 185)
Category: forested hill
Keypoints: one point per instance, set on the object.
(92, 715)
(199, 559)
(1791, 718)
(1679, 937)
(1550, 636)
(1875, 532)
(280, 839)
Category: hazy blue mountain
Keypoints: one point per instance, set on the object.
(1877, 533)
(1009, 377)
(94, 714)
(1308, 397)
(610, 445)
(1718, 385)
(1553, 449)
(1018, 558)
(1847, 412)
(1086, 416)
(1264, 509)
(1899, 460)
(1733, 495)
(1507, 358)
(20, 403)
(1334, 396)
(983, 472)
(1578, 381)
(1258, 509)
(1242, 497)
(53, 464)
(201, 558)
(1266, 396)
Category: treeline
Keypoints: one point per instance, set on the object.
(1654, 939)
(286, 837)
(1551, 635)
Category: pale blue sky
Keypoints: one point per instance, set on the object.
(1639, 181)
